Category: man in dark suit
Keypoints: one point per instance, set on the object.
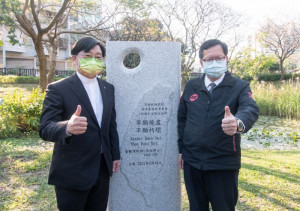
(79, 117)
(214, 110)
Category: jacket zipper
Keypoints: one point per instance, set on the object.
(234, 145)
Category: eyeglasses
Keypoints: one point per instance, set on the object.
(88, 56)
(211, 60)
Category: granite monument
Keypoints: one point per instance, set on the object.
(147, 98)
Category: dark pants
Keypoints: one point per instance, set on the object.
(219, 187)
(94, 199)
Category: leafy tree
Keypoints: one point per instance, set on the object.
(135, 29)
(283, 39)
(244, 64)
(136, 25)
(45, 21)
(25, 15)
(274, 67)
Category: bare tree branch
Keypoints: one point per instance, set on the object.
(57, 16)
(283, 39)
(195, 21)
(25, 7)
(35, 17)
(26, 25)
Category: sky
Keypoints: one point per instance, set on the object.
(257, 11)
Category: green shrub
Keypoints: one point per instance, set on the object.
(247, 78)
(278, 99)
(20, 113)
(276, 77)
(56, 78)
(10, 79)
(26, 80)
(13, 79)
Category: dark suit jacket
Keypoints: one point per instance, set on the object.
(76, 159)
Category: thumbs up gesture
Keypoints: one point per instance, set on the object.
(77, 124)
(229, 124)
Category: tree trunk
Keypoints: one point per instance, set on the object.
(53, 55)
(43, 64)
(281, 69)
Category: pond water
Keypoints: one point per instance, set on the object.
(273, 133)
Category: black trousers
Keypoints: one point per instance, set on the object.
(94, 199)
(219, 187)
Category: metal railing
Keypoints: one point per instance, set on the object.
(31, 72)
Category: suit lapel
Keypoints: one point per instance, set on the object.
(104, 99)
(82, 95)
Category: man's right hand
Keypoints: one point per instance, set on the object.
(77, 124)
(181, 162)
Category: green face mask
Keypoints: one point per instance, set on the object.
(91, 66)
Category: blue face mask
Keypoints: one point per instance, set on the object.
(215, 69)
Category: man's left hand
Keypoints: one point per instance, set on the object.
(116, 165)
(229, 124)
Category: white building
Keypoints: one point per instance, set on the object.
(24, 55)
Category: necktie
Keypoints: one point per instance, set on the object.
(212, 86)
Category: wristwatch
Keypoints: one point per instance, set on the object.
(240, 125)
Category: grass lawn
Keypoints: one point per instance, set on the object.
(24, 165)
(269, 179)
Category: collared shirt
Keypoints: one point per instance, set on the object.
(93, 90)
(217, 82)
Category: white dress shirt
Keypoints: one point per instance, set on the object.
(93, 90)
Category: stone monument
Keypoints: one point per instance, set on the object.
(147, 99)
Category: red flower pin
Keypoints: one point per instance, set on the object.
(193, 97)
(250, 95)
